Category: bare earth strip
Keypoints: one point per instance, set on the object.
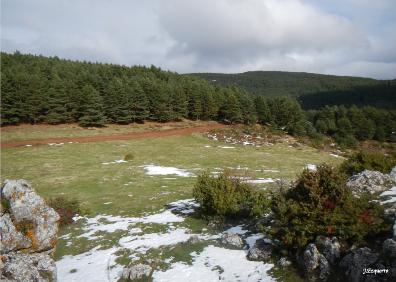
(126, 136)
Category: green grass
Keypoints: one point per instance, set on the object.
(76, 170)
(27, 132)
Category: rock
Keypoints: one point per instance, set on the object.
(315, 265)
(28, 267)
(284, 262)
(31, 213)
(261, 250)
(11, 239)
(392, 175)
(233, 239)
(389, 248)
(137, 271)
(28, 234)
(193, 239)
(354, 263)
(369, 181)
(330, 248)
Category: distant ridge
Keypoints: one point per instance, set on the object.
(312, 90)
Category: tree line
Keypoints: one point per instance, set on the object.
(37, 89)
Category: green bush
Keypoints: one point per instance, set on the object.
(228, 196)
(371, 161)
(66, 208)
(321, 204)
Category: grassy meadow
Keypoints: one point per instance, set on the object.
(85, 171)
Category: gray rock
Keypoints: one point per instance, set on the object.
(261, 250)
(330, 248)
(389, 248)
(28, 209)
(193, 239)
(233, 239)
(11, 239)
(315, 265)
(28, 267)
(137, 271)
(369, 181)
(392, 174)
(284, 262)
(354, 263)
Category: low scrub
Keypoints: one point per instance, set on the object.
(371, 161)
(321, 204)
(66, 208)
(228, 196)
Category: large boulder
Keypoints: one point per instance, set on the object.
(137, 272)
(31, 214)
(389, 249)
(329, 247)
(261, 250)
(315, 265)
(28, 234)
(355, 262)
(229, 238)
(369, 181)
(28, 267)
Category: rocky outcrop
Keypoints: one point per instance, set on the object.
(229, 238)
(261, 250)
(369, 181)
(389, 249)
(392, 174)
(28, 234)
(355, 262)
(315, 265)
(329, 247)
(137, 272)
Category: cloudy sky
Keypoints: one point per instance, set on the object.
(344, 37)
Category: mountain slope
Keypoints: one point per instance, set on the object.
(334, 90)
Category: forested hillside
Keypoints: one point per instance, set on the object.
(37, 89)
(312, 90)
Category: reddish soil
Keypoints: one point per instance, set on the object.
(126, 136)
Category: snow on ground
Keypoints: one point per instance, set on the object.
(336, 156)
(108, 223)
(149, 241)
(226, 147)
(237, 230)
(94, 265)
(216, 264)
(212, 264)
(114, 162)
(260, 180)
(390, 194)
(311, 167)
(164, 170)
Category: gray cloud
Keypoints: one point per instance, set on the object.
(346, 37)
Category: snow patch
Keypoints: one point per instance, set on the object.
(214, 264)
(114, 162)
(311, 167)
(391, 194)
(164, 170)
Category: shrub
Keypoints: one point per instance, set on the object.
(321, 204)
(66, 208)
(228, 196)
(371, 161)
(128, 157)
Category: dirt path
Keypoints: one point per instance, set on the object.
(126, 136)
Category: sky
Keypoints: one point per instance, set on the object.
(341, 37)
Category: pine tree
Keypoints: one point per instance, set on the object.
(138, 102)
(92, 108)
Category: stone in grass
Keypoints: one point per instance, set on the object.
(233, 239)
(261, 250)
(315, 265)
(284, 262)
(137, 271)
(28, 267)
(329, 247)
